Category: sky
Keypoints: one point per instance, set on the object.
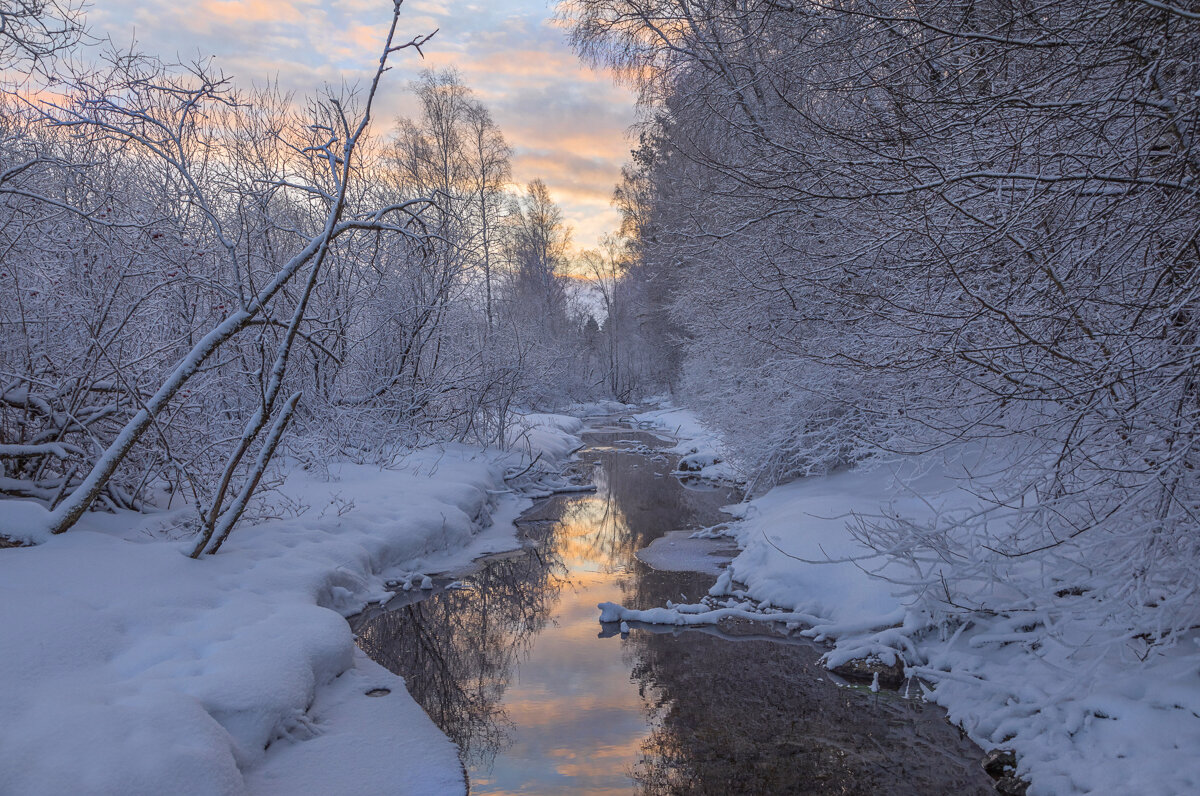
(566, 123)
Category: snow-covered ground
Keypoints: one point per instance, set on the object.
(1083, 718)
(550, 436)
(701, 451)
(128, 668)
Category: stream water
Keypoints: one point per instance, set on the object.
(514, 666)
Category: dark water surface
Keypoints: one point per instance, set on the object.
(542, 699)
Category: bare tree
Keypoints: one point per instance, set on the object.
(891, 228)
(537, 250)
(34, 32)
(153, 111)
(490, 170)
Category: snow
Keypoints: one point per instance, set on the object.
(680, 551)
(363, 728)
(702, 452)
(1082, 717)
(806, 519)
(597, 408)
(129, 668)
(548, 434)
(690, 435)
(25, 521)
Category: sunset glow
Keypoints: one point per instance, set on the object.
(566, 123)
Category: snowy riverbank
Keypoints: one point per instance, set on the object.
(1083, 716)
(701, 452)
(129, 668)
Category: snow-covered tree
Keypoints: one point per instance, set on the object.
(889, 228)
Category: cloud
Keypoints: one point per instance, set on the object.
(565, 121)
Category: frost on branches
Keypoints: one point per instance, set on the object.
(947, 235)
(199, 279)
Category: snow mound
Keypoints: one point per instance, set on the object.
(681, 551)
(24, 521)
(551, 436)
(129, 668)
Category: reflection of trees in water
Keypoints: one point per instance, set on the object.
(646, 501)
(632, 506)
(594, 531)
(457, 649)
(762, 717)
(753, 716)
(649, 588)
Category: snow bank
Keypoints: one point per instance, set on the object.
(1082, 717)
(701, 450)
(682, 424)
(548, 434)
(25, 521)
(681, 551)
(805, 521)
(597, 408)
(129, 668)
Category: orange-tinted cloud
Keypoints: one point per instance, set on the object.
(566, 122)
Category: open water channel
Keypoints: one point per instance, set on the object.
(514, 666)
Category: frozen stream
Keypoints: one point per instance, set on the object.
(541, 698)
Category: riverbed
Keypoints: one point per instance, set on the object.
(511, 662)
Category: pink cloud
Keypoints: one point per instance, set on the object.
(565, 121)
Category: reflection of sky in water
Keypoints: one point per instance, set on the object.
(578, 721)
(514, 670)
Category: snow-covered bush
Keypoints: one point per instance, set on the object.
(890, 229)
(191, 269)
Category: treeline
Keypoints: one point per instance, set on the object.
(190, 269)
(880, 228)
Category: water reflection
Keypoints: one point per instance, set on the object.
(754, 716)
(457, 649)
(516, 671)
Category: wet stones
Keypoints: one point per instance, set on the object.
(1012, 786)
(697, 462)
(866, 669)
(1001, 765)
(999, 762)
